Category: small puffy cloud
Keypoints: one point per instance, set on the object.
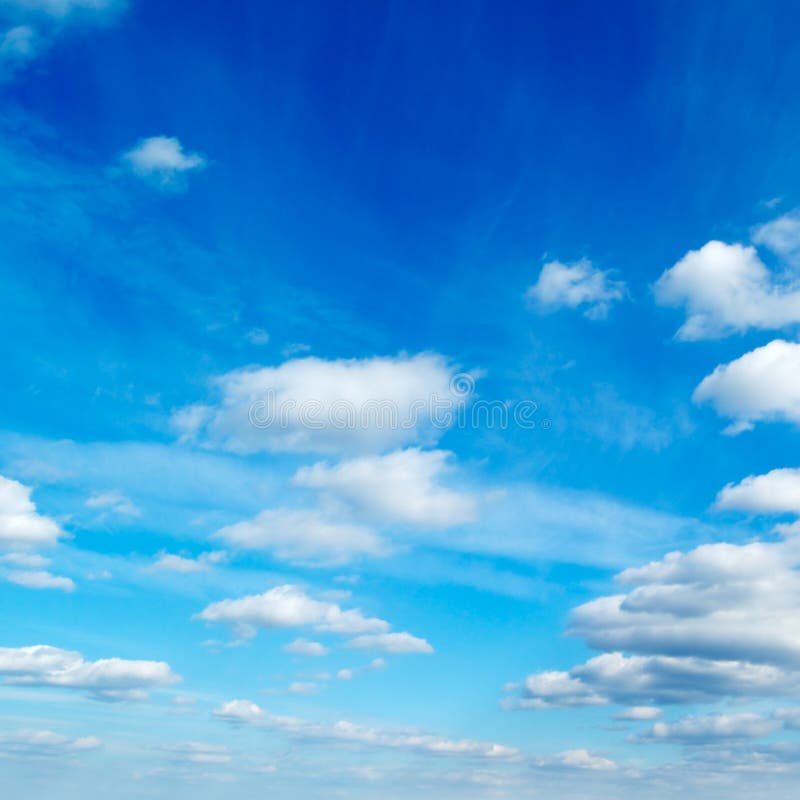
(169, 562)
(782, 236)
(245, 712)
(106, 679)
(710, 729)
(401, 487)
(257, 336)
(113, 502)
(575, 759)
(760, 386)
(776, 492)
(303, 536)
(303, 687)
(358, 406)
(39, 579)
(161, 161)
(44, 744)
(576, 285)
(725, 289)
(396, 643)
(639, 713)
(289, 606)
(304, 647)
(20, 524)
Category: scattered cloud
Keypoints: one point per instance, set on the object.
(760, 386)
(39, 579)
(245, 712)
(782, 236)
(575, 285)
(575, 759)
(113, 502)
(44, 744)
(400, 487)
(639, 713)
(106, 679)
(257, 336)
(162, 162)
(710, 729)
(169, 562)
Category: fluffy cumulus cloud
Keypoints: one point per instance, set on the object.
(162, 162)
(719, 621)
(303, 536)
(245, 712)
(304, 647)
(776, 492)
(290, 607)
(105, 679)
(402, 487)
(725, 289)
(577, 285)
(20, 524)
(396, 643)
(353, 406)
(761, 386)
(44, 744)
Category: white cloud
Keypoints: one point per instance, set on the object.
(44, 743)
(113, 502)
(776, 492)
(64, 8)
(576, 285)
(244, 712)
(26, 560)
(639, 713)
(760, 386)
(39, 579)
(782, 236)
(289, 607)
(304, 536)
(308, 404)
(304, 647)
(397, 643)
(719, 621)
(575, 759)
(169, 562)
(303, 687)
(725, 289)
(257, 336)
(162, 161)
(18, 45)
(402, 486)
(710, 729)
(20, 524)
(199, 752)
(106, 679)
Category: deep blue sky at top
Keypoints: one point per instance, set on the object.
(383, 179)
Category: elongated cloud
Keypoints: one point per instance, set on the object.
(106, 679)
(776, 492)
(396, 643)
(349, 406)
(245, 712)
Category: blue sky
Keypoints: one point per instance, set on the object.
(581, 218)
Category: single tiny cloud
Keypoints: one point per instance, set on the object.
(257, 336)
(760, 386)
(782, 236)
(304, 647)
(162, 162)
(169, 562)
(114, 502)
(39, 579)
(303, 687)
(639, 713)
(396, 643)
(575, 759)
(576, 285)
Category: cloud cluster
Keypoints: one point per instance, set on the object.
(105, 679)
(245, 712)
(576, 285)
